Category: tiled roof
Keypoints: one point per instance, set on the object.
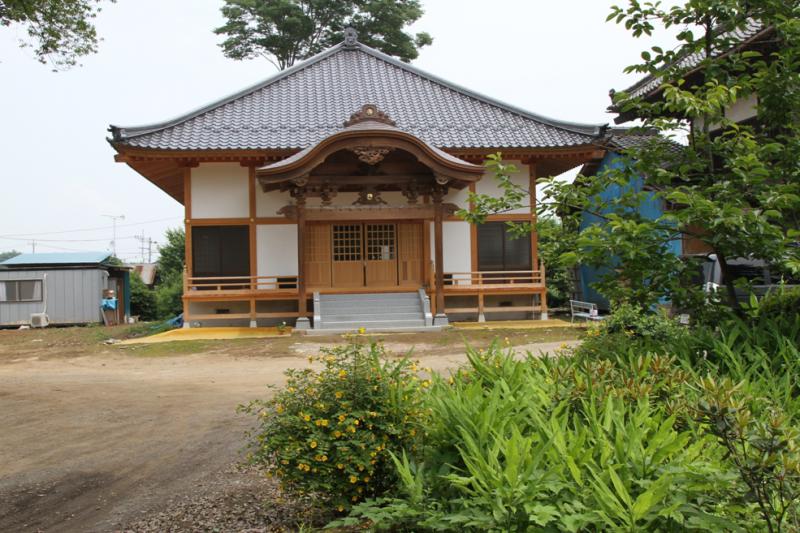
(621, 139)
(310, 101)
(742, 35)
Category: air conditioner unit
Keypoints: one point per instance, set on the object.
(39, 320)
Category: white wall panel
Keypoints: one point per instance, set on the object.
(276, 247)
(219, 190)
(488, 184)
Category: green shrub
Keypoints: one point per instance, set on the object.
(556, 445)
(629, 327)
(143, 299)
(329, 432)
(780, 303)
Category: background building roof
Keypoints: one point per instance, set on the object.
(60, 258)
(310, 101)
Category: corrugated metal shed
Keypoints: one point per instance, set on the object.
(68, 296)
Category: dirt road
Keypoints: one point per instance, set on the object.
(95, 442)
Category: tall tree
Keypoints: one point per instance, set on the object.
(8, 255)
(736, 186)
(287, 31)
(59, 31)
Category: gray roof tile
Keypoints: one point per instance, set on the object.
(310, 101)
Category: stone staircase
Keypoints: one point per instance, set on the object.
(386, 312)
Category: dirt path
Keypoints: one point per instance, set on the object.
(95, 442)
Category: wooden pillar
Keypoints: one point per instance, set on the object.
(441, 318)
(251, 176)
(534, 233)
(187, 260)
(302, 297)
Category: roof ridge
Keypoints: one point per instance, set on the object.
(120, 133)
(575, 127)
(145, 129)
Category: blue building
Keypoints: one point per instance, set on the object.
(616, 142)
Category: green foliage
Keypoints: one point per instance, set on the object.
(330, 432)
(287, 31)
(59, 31)
(172, 255)
(535, 445)
(8, 255)
(780, 303)
(169, 293)
(143, 299)
(734, 187)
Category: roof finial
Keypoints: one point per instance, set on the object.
(350, 36)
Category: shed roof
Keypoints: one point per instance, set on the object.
(57, 259)
(306, 103)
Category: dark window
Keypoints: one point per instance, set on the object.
(499, 250)
(220, 251)
(21, 291)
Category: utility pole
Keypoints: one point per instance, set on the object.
(146, 245)
(33, 247)
(114, 219)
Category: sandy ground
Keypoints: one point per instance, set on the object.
(93, 438)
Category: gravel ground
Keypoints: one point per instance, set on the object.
(246, 501)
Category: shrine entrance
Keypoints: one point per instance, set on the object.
(352, 255)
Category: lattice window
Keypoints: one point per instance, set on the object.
(381, 242)
(347, 242)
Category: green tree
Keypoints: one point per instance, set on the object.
(172, 256)
(171, 261)
(735, 187)
(8, 255)
(287, 31)
(59, 31)
(143, 299)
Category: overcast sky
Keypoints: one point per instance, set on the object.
(159, 58)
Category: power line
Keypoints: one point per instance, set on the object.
(66, 240)
(130, 224)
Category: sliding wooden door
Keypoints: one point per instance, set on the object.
(410, 254)
(381, 263)
(348, 255)
(318, 255)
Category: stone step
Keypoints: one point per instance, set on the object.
(371, 308)
(366, 317)
(374, 324)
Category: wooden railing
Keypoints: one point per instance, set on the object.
(493, 278)
(240, 283)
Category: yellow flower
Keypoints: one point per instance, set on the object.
(353, 479)
(342, 417)
(291, 389)
(324, 422)
(361, 331)
(340, 508)
(426, 383)
(413, 432)
(360, 468)
(313, 444)
(340, 466)
(339, 394)
(284, 462)
(337, 433)
(366, 479)
(354, 498)
(359, 490)
(351, 429)
(323, 459)
(356, 421)
(342, 373)
(307, 418)
(279, 409)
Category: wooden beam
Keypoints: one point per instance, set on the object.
(302, 298)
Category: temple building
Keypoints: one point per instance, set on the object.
(326, 196)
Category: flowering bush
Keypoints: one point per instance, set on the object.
(329, 432)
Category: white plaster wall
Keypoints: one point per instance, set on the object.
(276, 249)
(219, 190)
(268, 203)
(743, 109)
(458, 197)
(456, 246)
(521, 178)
